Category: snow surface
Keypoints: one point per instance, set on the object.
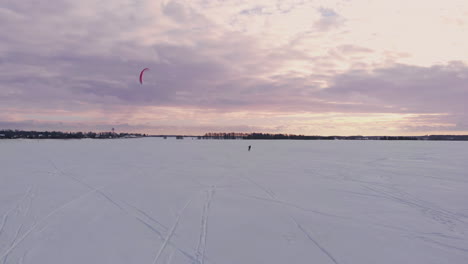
(152, 200)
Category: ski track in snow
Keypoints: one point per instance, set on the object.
(18, 203)
(450, 220)
(390, 192)
(18, 231)
(171, 232)
(416, 234)
(139, 219)
(439, 215)
(61, 173)
(148, 225)
(148, 216)
(18, 210)
(314, 241)
(162, 238)
(269, 192)
(44, 220)
(287, 204)
(272, 195)
(113, 201)
(456, 223)
(28, 207)
(151, 227)
(426, 239)
(201, 247)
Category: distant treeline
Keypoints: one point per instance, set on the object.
(303, 137)
(8, 134)
(64, 135)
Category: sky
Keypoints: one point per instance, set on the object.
(352, 67)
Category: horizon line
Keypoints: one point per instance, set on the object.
(225, 133)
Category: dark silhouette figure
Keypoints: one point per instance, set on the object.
(250, 147)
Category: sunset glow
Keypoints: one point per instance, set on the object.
(298, 67)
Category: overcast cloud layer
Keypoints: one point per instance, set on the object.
(305, 67)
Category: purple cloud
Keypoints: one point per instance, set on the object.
(329, 19)
(439, 89)
(69, 57)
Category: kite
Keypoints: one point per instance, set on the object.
(141, 75)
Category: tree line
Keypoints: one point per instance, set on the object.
(234, 135)
(8, 134)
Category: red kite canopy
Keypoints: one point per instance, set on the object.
(141, 74)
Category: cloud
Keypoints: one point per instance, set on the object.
(440, 89)
(259, 10)
(353, 49)
(269, 56)
(329, 19)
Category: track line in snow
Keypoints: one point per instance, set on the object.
(99, 191)
(283, 203)
(201, 247)
(148, 225)
(147, 215)
(424, 203)
(151, 227)
(426, 239)
(439, 215)
(44, 220)
(108, 197)
(139, 219)
(172, 231)
(4, 221)
(28, 207)
(299, 226)
(441, 235)
(112, 201)
(263, 188)
(314, 241)
(18, 203)
(60, 172)
(18, 231)
(156, 231)
(162, 237)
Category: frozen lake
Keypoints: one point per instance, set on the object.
(152, 200)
